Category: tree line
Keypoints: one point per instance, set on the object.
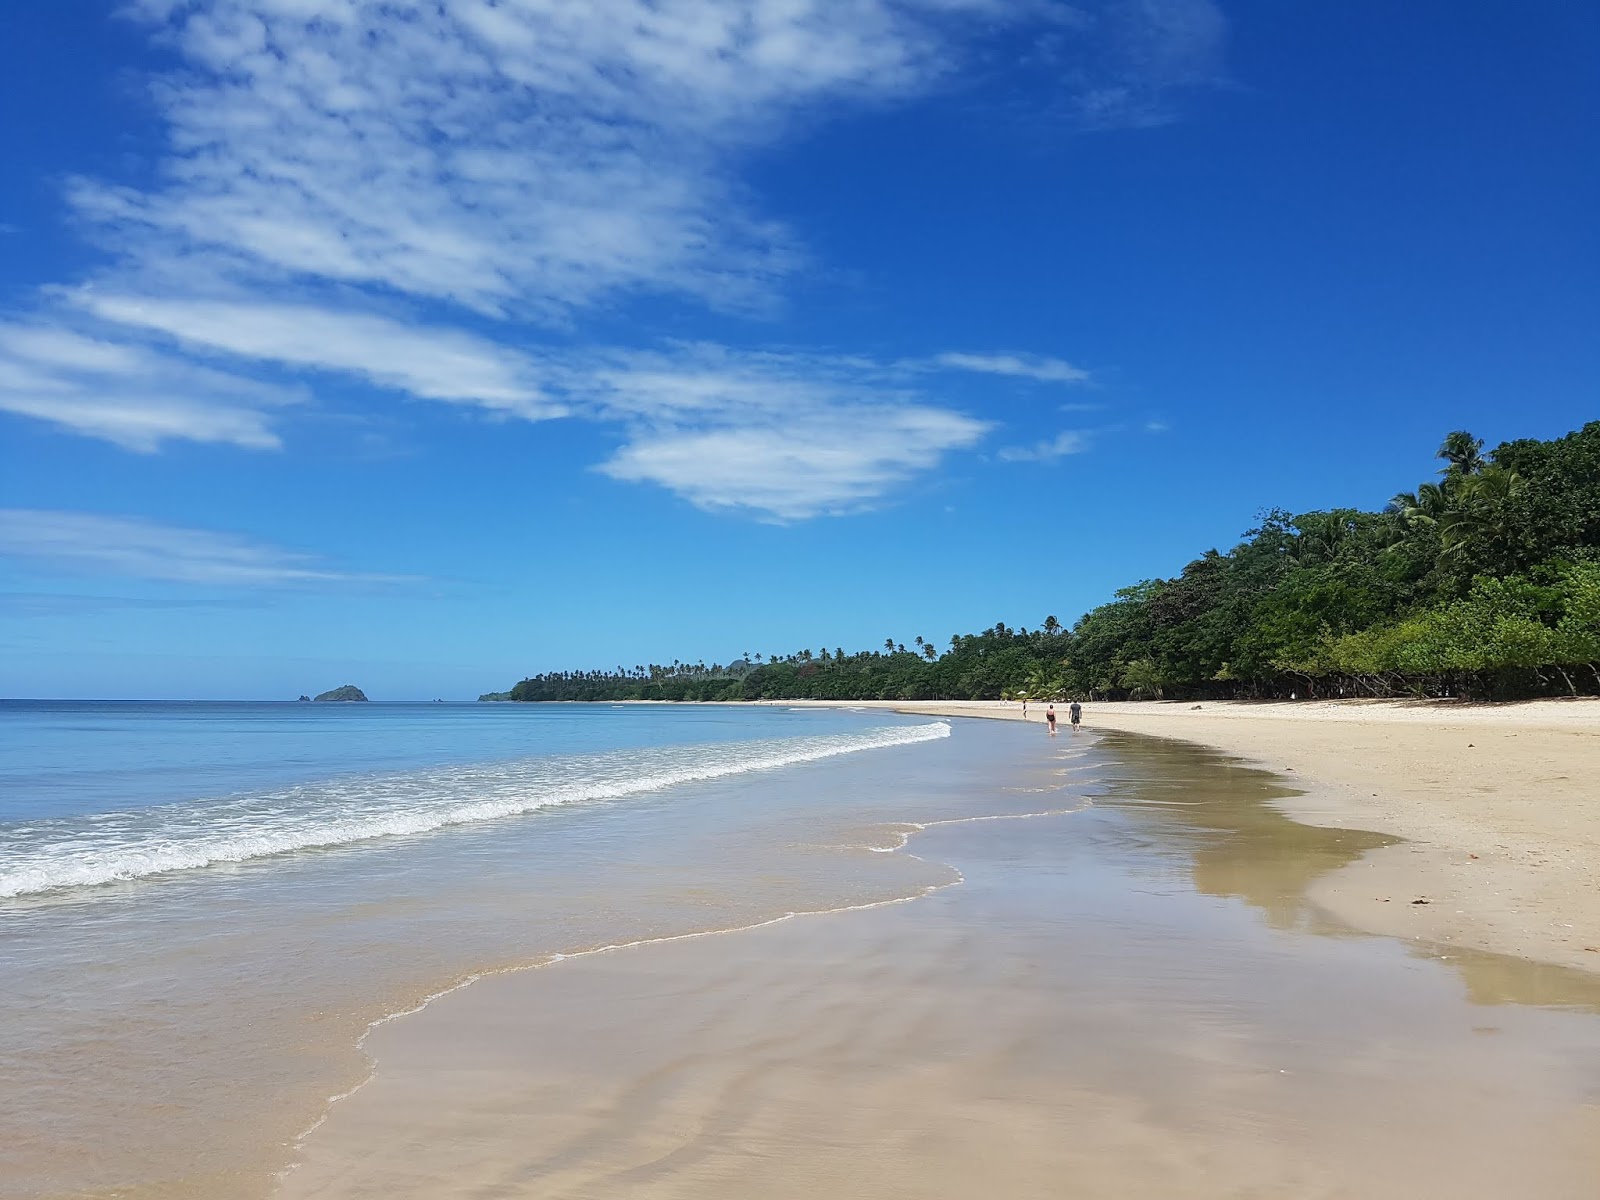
(1483, 582)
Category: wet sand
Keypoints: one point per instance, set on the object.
(1497, 807)
(1138, 998)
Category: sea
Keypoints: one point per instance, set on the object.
(205, 906)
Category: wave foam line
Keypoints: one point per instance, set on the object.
(187, 837)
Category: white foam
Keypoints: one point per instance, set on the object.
(106, 848)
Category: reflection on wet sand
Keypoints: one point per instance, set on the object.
(1099, 1010)
(1219, 812)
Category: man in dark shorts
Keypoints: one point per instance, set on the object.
(1076, 713)
(1050, 719)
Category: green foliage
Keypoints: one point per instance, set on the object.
(1484, 582)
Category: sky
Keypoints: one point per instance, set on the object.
(427, 345)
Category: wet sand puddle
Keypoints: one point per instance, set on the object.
(1217, 812)
(1130, 997)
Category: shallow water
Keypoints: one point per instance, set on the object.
(172, 1033)
(1129, 998)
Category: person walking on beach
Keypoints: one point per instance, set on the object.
(1075, 713)
(1050, 719)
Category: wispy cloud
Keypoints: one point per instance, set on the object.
(1020, 366)
(798, 471)
(335, 169)
(1125, 64)
(785, 436)
(521, 156)
(128, 394)
(134, 548)
(1066, 442)
(429, 363)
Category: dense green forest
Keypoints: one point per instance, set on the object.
(1484, 582)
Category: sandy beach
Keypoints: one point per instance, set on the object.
(1498, 806)
(1139, 981)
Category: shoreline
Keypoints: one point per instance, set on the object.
(1495, 805)
(1085, 1008)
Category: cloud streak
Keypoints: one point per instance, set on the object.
(784, 436)
(134, 548)
(1036, 367)
(1068, 441)
(130, 395)
(428, 363)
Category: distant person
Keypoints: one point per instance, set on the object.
(1050, 718)
(1076, 714)
(1024, 708)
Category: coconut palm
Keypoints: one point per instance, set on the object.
(1423, 507)
(1462, 453)
(1479, 508)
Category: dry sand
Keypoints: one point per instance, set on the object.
(1499, 806)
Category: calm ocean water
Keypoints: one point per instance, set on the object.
(203, 905)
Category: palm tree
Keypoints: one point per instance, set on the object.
(1423, 507)
(1051, 625)
(1041, 686)
(1479, 510)
(1462, 453)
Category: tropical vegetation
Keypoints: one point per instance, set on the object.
(1483, 582)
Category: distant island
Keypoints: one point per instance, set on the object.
(348, 692)
(1483, 582)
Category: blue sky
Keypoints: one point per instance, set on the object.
(424, 346)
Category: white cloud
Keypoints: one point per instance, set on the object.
(796, 470)
(329, 161)
(135, 548)
(787, 436)
(527, 157)
(128, 394)
(1021, 366)
(524, 156)
(1064, 443)
(783, 434)
(432, 364)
